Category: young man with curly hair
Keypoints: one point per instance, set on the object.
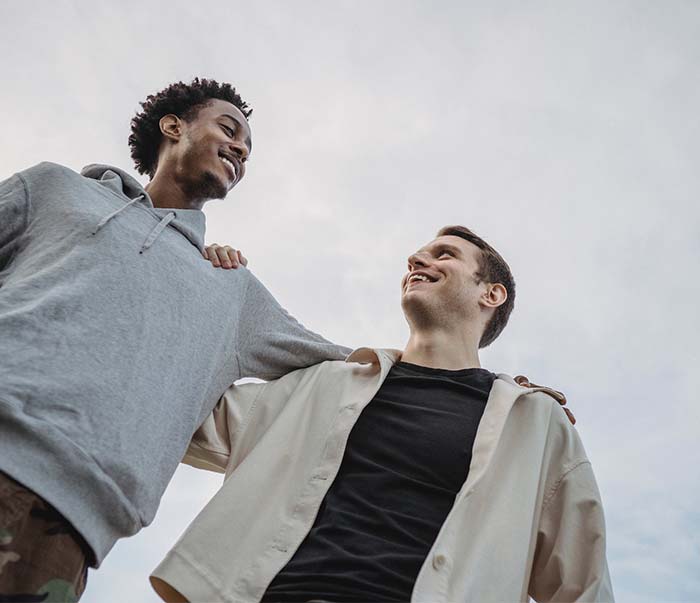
(118, 338)
(399, 476)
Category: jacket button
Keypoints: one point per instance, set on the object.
(439, 561)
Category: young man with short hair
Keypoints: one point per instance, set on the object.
(397, 476)
(116, 344)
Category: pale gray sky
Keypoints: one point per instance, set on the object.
(565, 133)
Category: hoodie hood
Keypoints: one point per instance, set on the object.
(190, 223)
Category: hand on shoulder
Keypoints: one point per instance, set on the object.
(224, 256)
(557, 395)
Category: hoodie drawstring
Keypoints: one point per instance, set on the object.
(167, 219)
(108, 217)
(162, 224)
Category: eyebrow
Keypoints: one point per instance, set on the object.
(456, 250)
(238, 123)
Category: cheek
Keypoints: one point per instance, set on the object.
(196, 146)
(204, 139)
(460, 291)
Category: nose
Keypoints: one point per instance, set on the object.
(240, 149)
(417, 260)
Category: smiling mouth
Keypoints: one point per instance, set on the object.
(419, 278)
(230, 167)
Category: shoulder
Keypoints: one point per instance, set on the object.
(539, 399)
(41, 180)
(50, 176)
(563, 444)
(564, 458)
(549, 403)
(564, 450)
(559, 424)
(47, 169)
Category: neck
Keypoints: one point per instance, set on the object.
(442, 349)
(166, 192)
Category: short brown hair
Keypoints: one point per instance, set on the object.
(492, 269)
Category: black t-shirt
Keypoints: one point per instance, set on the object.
(406, 459)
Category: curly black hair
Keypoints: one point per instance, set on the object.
(183, 100)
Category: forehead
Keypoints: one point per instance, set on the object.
(458, 244)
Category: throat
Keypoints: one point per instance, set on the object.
(444, 349)
(168, 193)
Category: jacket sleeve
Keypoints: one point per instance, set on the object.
(272, 343)
(14, 213)
(570, 562)
(240, 419)
(213, 443)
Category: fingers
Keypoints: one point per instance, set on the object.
(572, 418)
(523, 381)
(224, 256)
(558, 396)
(209, 253)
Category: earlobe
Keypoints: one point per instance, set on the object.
(170, 126)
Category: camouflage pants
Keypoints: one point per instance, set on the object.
(42, 557)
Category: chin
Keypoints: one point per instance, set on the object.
(210, 187)
(414, 305)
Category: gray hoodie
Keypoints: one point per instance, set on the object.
(116, 340)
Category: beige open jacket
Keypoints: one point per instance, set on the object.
(528, 520)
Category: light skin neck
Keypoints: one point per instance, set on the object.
(441, 348)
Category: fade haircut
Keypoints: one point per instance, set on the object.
(492, 269)
(183, 100)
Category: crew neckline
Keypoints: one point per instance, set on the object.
(428, 370)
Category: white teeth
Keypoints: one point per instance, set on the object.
(228, 162)
(419, 277)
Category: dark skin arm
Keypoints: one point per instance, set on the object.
(225, 256)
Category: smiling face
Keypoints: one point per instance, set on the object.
(443, 288)
(210, 149)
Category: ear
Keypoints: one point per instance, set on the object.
(171, 127)
(495, 295)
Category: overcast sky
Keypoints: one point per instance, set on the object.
(565, 133)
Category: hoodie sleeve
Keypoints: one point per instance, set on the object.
(570, 562)
(14, 215)
(272, 343)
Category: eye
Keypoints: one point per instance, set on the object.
(443, 252)
(228, 130)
